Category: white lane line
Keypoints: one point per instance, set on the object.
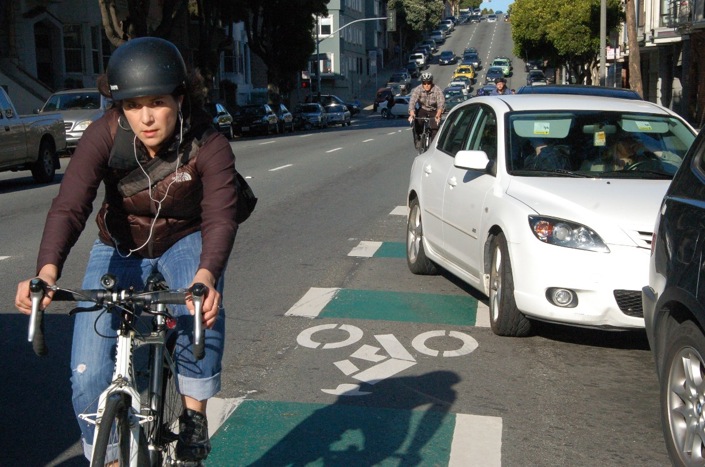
(365, 249)
(368, 140)
(400, 211)
(393, 133)
(218, 410)
(306, 136)
(3, 257)
(477, 441)
(333, 150)
(313, 302)
(266, 142)
(482, 315)
(279, 168)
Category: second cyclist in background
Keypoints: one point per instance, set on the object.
(430, 100)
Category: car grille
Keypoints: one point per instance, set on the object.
(629, 301)
(67, 125)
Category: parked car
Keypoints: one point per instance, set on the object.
(420, 59)
(536, 77)
(533, 64)
(222, 120)
(338, 115)
(432, 43)
(674, 309)
(438, 36)
(581, 89)
(493, 73)
(30, 142)
(285, 119)
(327, 99)
(413, 69)
(78, 108)
(310, 115)
(401, 78)
(503, 201)
(399, 109)
(254, 119)
(447, 57)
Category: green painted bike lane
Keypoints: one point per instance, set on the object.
(281, 433)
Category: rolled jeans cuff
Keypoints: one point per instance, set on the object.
(199, 388)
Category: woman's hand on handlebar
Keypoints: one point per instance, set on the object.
(23, 302)
(211, 302)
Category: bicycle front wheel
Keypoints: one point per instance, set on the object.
(114, 433)
(162, 433)
(424, 142)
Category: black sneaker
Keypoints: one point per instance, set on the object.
(193, 443)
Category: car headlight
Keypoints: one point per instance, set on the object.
(560, 232)
(81, 126)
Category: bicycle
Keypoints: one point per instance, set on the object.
(144, 433)
(422, 141)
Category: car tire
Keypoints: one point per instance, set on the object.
(231, 134)
(44, 168)
(505, 317)
(681, 393)
(415, 254)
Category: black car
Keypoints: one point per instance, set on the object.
(285, 119)
(222, 120)
(580, 89)
(536, 77)
(310, 115)
(254, 119)
(674, 308)
(413, 69)
(473, 58)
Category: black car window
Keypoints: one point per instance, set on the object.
(456, 130)
(484, 135)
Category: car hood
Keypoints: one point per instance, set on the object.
(622, 212)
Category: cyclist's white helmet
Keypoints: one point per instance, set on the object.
(426, 77)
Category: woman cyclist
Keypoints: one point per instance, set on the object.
(169, 207)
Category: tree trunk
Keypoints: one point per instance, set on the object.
(634, 54)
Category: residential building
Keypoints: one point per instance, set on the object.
(47, 46)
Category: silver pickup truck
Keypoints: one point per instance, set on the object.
(30, 142)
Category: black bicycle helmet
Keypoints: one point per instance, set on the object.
(146, 66)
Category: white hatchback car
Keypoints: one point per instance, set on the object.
(546, 205)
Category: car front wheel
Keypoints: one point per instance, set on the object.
(505, 317)
(682, 395)
(415, 253)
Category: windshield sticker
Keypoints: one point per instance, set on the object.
(600, 139)
(542, 128)
(643, 126)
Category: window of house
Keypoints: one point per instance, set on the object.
(326, 25)
(73, 47)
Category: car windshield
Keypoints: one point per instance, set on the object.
(73, 101)
(596, 144)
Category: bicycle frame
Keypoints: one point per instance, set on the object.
(128, 339)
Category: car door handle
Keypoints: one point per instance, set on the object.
(428, 170)
(452, 181)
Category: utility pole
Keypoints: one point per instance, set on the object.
(603, 42)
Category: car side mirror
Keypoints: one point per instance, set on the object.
(472, 160)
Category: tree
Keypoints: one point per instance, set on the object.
(282, 34)
(416, 16)
(169, 19)
(564, 33)
(634, 55)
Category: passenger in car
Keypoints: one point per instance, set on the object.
(547, 156)
(624, 153)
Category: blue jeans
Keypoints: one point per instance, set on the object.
(93, 349)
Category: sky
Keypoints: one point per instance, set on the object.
(496, 4)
